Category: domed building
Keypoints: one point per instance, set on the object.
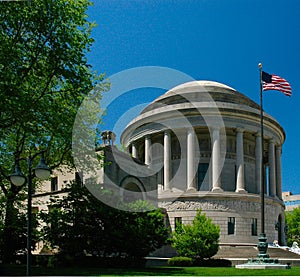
(203, 139)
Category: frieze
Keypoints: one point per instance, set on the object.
(205, 205)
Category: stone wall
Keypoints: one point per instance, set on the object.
(243, 210)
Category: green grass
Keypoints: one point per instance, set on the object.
(17, 270)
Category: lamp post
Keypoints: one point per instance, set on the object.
(42, 171)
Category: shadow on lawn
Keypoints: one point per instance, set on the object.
(20, 270)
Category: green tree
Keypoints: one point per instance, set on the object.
(198, 240)
(293, 222)
(79, 223)
(45, 76)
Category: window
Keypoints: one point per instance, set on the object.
(235, 174)
(54, 184)
(178, 222)
(254, 227)
(78, 178)
(231, 224)
(202, 170)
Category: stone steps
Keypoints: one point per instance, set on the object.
(226, 252)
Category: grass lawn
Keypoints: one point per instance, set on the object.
(17, 270)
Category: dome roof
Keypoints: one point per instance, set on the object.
(201, 91)
(201, 104)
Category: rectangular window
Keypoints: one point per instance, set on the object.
(54, 184)
(231, 225)
(177, 222)
(235, 174)
(79, 178)
(202, 182)
(254, 227)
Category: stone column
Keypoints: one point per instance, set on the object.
(258, 162)
(133, 150)
(191, 159)
(240, 176)
(216, 172)
(272, 169)
(278, 171)
(167, 160)
(147, 150)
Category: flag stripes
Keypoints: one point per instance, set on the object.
(274, 82)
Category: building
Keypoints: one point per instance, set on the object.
(199, 146)
(291, 201)
(211, 154)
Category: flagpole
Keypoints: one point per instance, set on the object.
(262, 240)
(262, 186)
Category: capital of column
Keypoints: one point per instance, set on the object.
(272, 141)
(279, 147)
(240, 130)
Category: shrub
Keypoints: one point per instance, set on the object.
(199, 240)
(180, 261)
(212, 263)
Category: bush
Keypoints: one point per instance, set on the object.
(212, 263)
(199, 240)
(180, 261)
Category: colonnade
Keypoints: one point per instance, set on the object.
(274, 161)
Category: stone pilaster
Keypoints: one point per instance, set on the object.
(258, 162)
(133, 150)
(147, 150)
(216, 171)
(167, 160)
(272, 169)
(191, 159)
(240, 176)
(278, 171)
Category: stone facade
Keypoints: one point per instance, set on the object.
(291, 201)
(224, 206)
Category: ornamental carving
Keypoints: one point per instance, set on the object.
(213, 205)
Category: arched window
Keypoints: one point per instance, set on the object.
(132, 189)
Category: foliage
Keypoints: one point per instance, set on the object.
(45, 76)
(197, 240)
(18, 231)
(180, 261)
(79, 224)
(293, 223)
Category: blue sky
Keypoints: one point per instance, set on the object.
(220, 40)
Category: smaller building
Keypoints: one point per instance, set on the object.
(290, 201)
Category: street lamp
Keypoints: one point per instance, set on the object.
(42, 171)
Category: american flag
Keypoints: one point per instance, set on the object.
(274, 82)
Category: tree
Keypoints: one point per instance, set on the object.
(293, 223)
(45, 76)
(198, 240)
(79, 223)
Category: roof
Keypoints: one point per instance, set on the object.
(201, 91)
